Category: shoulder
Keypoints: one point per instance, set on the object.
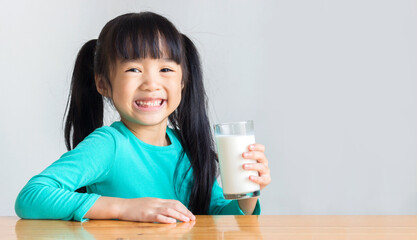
(114, 131)
(104, 133)
(104, 137)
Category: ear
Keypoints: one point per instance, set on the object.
(101, 86)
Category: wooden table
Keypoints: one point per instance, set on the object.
(220, 227)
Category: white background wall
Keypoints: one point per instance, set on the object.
(331, 86)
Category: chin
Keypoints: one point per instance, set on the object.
(151, 122)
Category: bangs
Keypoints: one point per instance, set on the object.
(146, 36)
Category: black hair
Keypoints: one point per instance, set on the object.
(140, 35)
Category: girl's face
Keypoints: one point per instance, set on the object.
(146, 91)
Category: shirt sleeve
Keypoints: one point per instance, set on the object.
(221, 206)
(50, 194)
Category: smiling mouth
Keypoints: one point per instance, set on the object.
(153, 103)
(150, 105)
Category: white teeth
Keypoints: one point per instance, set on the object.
(149, 103)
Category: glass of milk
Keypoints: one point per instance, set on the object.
(233, 139)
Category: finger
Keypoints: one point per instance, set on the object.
(179, 228)
(164, 219)
(255, 155)
(170, 212)
(262, 180)
(261, 168)
(178, 206)
(256, 147)
(187, 225)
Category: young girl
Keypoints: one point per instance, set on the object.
(137, 169)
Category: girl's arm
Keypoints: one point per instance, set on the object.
(221, 206)
(105, 208)
(50, 194)
(248, 205)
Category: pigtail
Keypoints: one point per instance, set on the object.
(85, 112)
(193, 128)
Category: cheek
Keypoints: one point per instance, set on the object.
(121, 94)
(178, 92)
(175, 96)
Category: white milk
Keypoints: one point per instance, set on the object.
(235, 180)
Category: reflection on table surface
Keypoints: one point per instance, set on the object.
(219, 227)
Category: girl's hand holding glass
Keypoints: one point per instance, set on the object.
(257, 152)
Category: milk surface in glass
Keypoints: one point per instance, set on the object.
(235, 180)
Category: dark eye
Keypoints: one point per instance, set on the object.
(133, 70)
(166, 70)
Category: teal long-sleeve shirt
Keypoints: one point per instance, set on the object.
(113, 162)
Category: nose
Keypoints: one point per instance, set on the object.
(150, 82)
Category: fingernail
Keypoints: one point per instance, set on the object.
(193, 217)
(186, 219)
(245, 166)
(246, 154)
(251, 147)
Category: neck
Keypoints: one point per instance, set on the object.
(154, 135)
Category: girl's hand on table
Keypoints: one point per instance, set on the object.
(154, 210)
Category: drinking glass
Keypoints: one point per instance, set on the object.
(233, 139)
